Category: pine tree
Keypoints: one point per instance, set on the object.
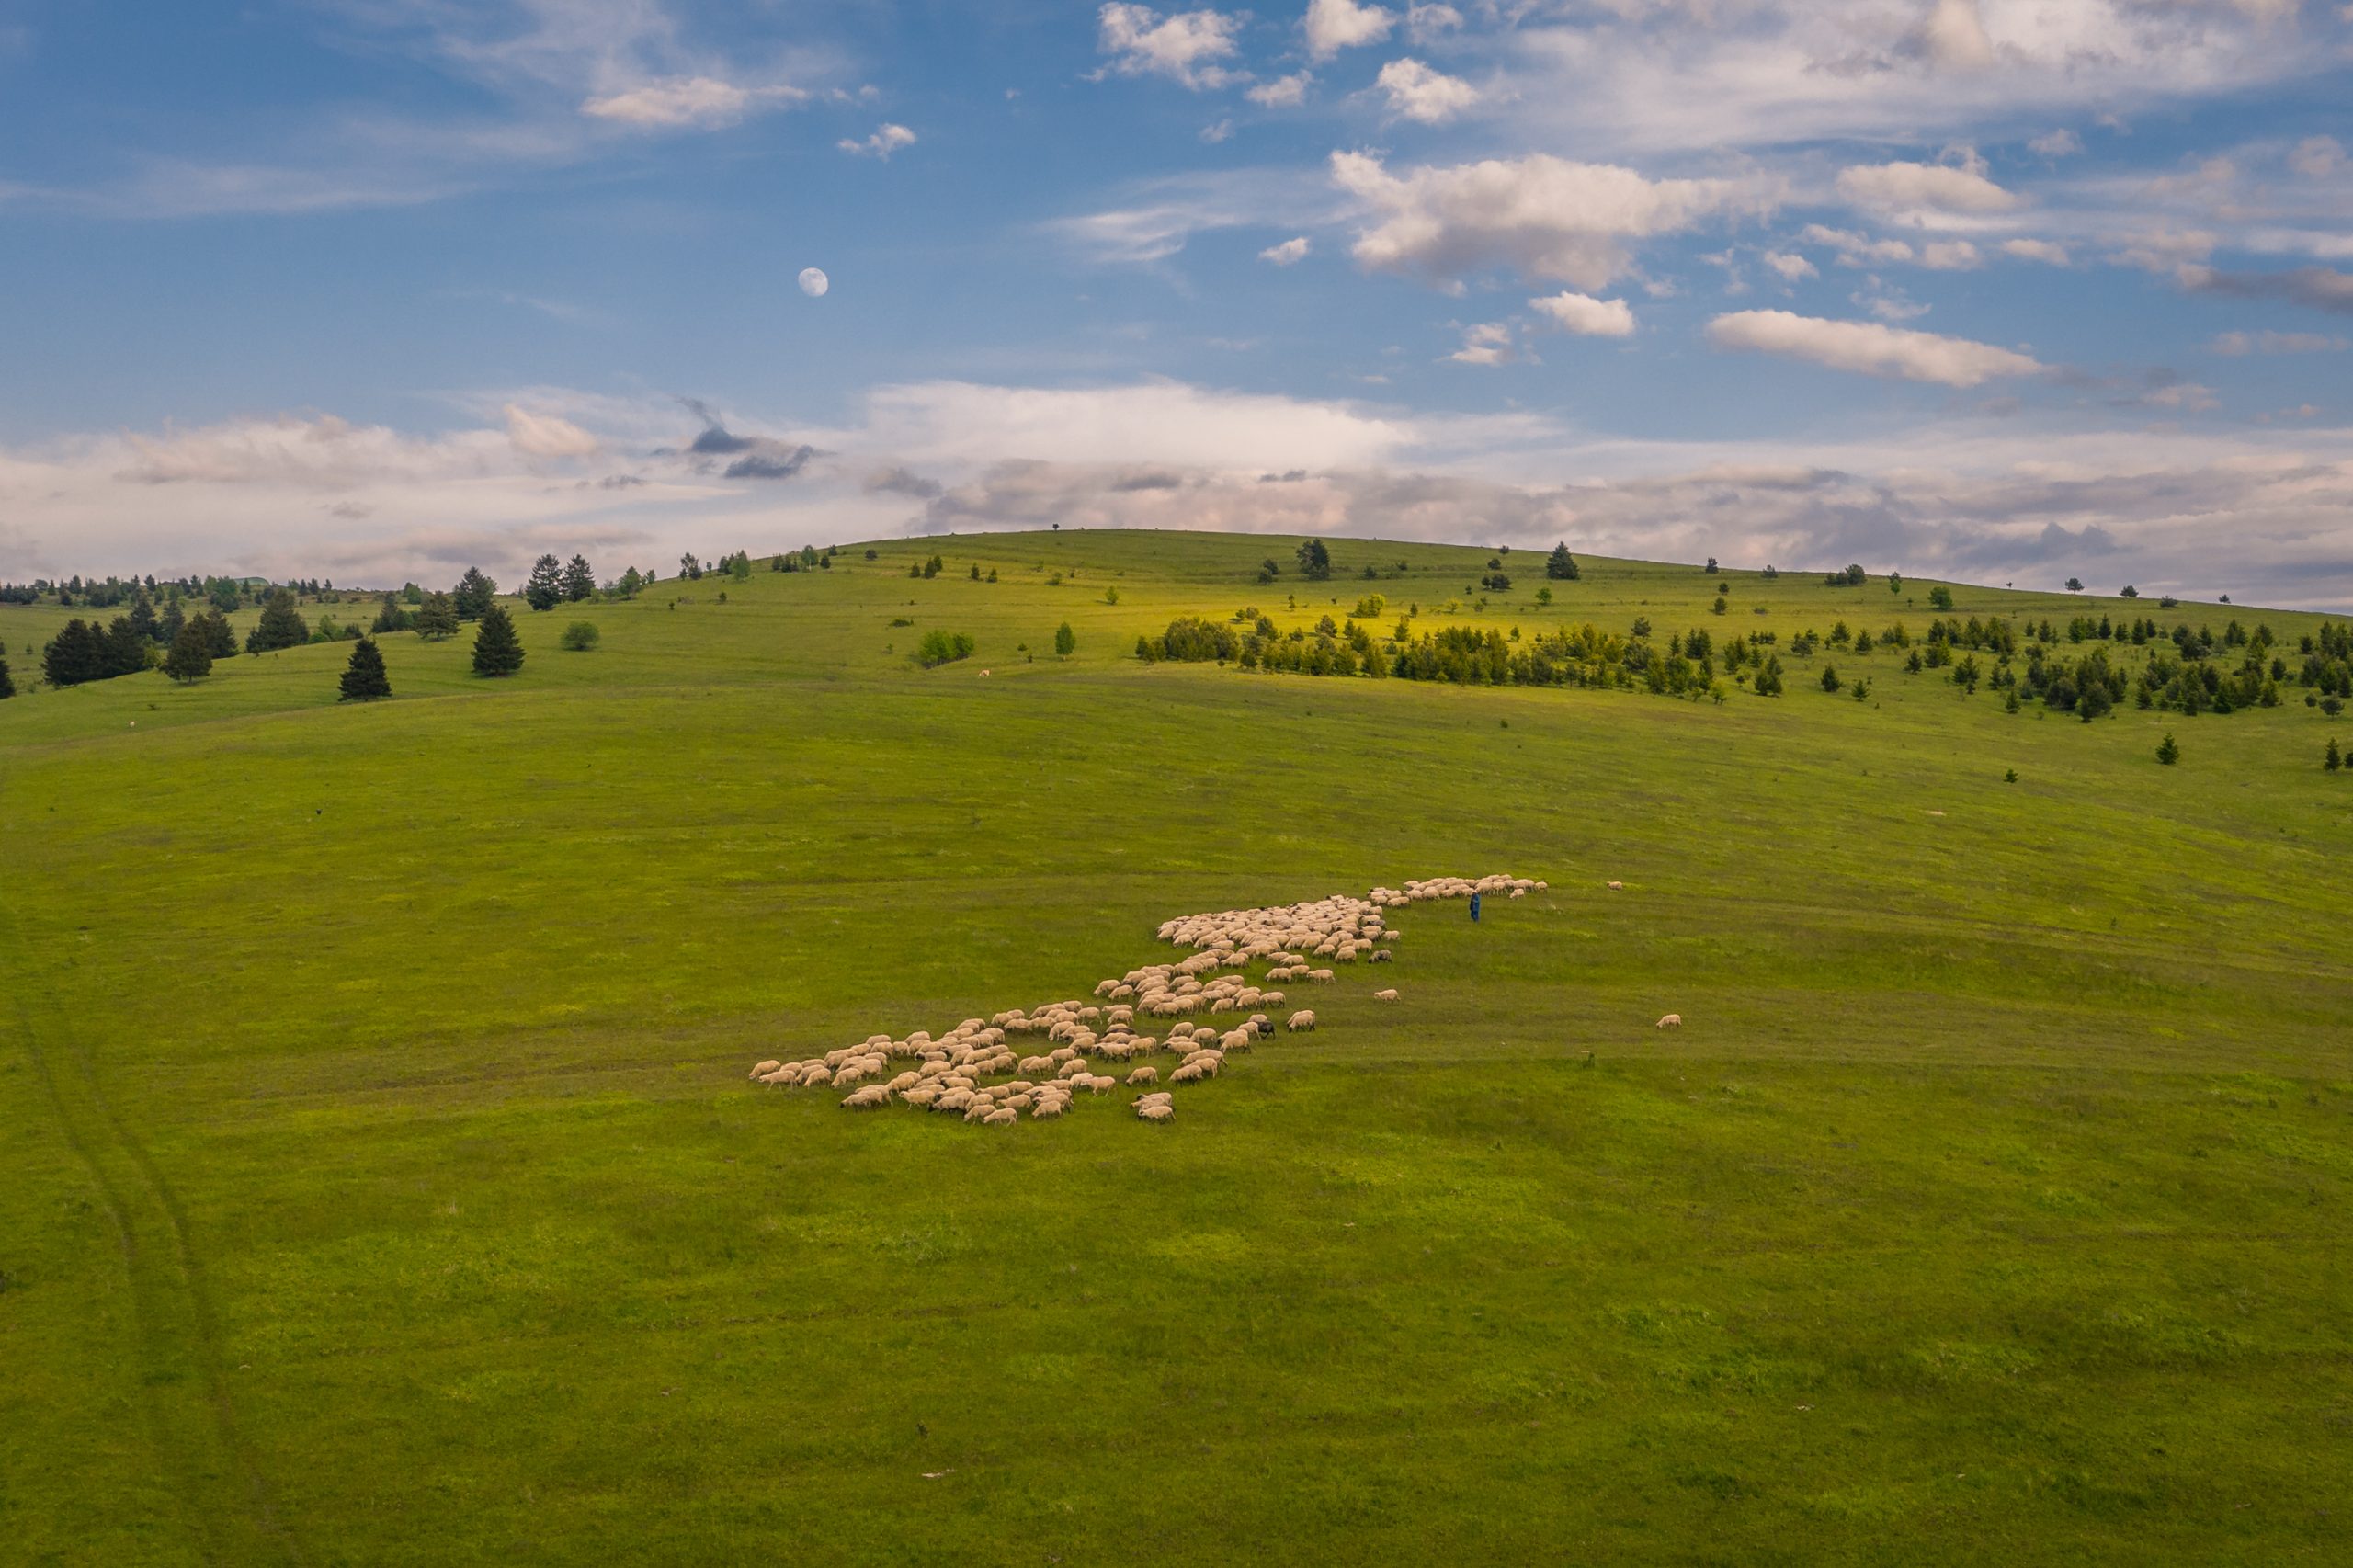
(390, 617)
(281, 626)
(75, 655)
(7, 684)
(142, 617)
(364, 678)
(1561, 566)
(545, 589)
(473, 594)
(167, 630)
(126, 649)
(498, 651)
(436, 617)
(579, 580)
(191, 656)
(2168, 752)
(1314, 560)
(2331, 759)
(220, 640)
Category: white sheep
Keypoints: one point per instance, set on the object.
(1384, 995)
(1300, 1022)
(1143, 1076)
(1672, 1021)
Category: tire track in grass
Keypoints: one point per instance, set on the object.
(183, 1385)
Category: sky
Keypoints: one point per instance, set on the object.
(2008, 290)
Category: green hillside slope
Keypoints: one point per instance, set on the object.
(379, 1182)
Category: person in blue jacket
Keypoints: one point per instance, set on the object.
(1474, 908)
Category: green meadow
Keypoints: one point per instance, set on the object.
(379, 1182)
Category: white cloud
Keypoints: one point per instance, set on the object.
(1184, 48)
(887, 139)
(1290, 250)
(1331, 26)
(1216, 132)
(678, 102)
(2037, 250)
(1857, 250)
(1420, 94)
(1933, 187)
(1487, 343)
(1954, 35)
(546, 435)
(1583, 313)
(1870, 348)
(1283, 92)
(2238, 343)
(2317, 157)
(1544, 217)
(2060, 143)
(1424, 23)
(1950, 255)
(1790, 269)
(1888, 304)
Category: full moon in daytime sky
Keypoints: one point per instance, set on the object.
(813, 282)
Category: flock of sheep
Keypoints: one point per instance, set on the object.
(946, 1073)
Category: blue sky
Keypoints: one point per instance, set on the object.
(2014, 290)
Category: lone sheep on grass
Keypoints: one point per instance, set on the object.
(1672, 1021)
(1300, 1022)
(1384, 995)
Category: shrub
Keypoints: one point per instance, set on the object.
(1193, 639)
(1065, 639)
(942, 648)
(1940, 596)
(581, 636)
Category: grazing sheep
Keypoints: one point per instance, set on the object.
(1384, 995)
(872, 1097)
(1617, 886)
(1319, 976)
(1157, 1112)
(765, 1068)
(1005, 1117)
(1143, 1076)
(1300, 1022)
(1187, 1075)
(1047, 1111)
(1672, 1021)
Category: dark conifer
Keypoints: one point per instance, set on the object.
(220, 640)
(364, 679)
(191, 656)
(473, 594)
(281, 626)
(498, 651)
(545, 588)
(579, 580)
(75, 655)
(7, 684)
(436, 617)
(1561, 566)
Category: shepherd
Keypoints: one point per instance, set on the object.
(1474, 909)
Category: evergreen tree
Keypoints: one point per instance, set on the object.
(364, 678)
(1561, 566)
(1314, 560)
(1829, 677)
(579, 580)
(126, 649)
(545, 589)
(1065, 639)
(75, 655)
(167, 630)
(2331, 759)
(8, 686)
(191, 656)
(142, 617)
(498, 651)
(437, 618)
(390, 617)
(220, 640)
(281, 626)
(473, 594)
(2168, 752)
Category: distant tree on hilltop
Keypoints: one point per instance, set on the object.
(281, 626)
(1561, 566)
(437, 618)
(545, 588)
(364, 679)
(1314, 560)
(498, 651)
(220, 640)
(473, 594)
(579, 580)
(190, 658)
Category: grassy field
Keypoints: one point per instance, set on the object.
(378, 1183)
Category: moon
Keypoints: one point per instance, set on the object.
(813, 282)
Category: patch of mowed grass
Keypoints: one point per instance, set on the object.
(1988, 1206)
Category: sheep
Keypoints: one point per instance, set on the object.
(1037, 1064)
(1389, 996)
(1300, 1022)
(1187, 1074)
(1157, 1112)
(1005, 1117)
(1672, 1021)
(815, 1076)
(765, 1068)
(870, 1098)
(1617, 886)
(1143, 1075)
(1319, 976)
(1046, 1110)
